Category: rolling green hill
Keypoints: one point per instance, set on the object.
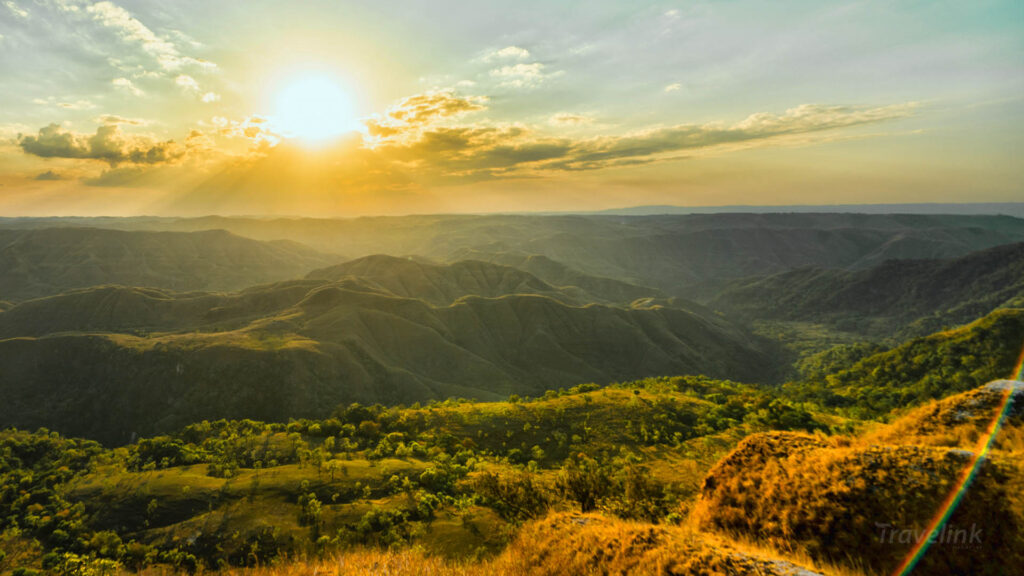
(444, 284)
(917, 296)
(921, 369)
(111, 361)
(630, 478)
(456, 478)
(559, 274)
(43, 262)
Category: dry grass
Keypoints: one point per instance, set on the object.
(376, 562)
(562, 544)
(826, 499)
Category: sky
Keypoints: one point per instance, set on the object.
(348, 108)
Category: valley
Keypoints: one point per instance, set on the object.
(471, 402)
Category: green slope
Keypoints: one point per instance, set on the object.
(918, 296)
(42, 262)
(111, 361)
(922, 369)
(444, 284)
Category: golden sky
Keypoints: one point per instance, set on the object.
(350, 108)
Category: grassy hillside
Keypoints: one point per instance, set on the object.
(872, 383)
(559, 274)
(455, 478)
(826, 497)
(916, 296)
(444, 284)
(42, 262)
(616, 480)
(102, 362)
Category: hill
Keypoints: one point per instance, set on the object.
(444, 284)
(452, 477)
(918, 296)
(826, 499)
(614, 480)
(559, 274)
(47, 261)
(682, 255)
(877, 493)
(919, 370)
(111, 361)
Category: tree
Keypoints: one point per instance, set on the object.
(584, 480)
(309, 515)
(515, 497)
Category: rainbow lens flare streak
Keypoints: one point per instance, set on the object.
(951, 502)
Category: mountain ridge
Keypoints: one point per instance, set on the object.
(327, 342)
(42, 262)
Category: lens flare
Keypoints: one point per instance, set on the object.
(951, 502)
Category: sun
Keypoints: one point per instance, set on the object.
(313, 108)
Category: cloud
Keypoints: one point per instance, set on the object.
(427, 140)
(507, 53)
(569, 119)
(128, 86)
(15, 9)
(80, 104)
(422, 110)
(132, 31)
(483, 151)
(108, 144)
(190, 85)
(253, 131)
(757, 128)
(522, 75)
(187, 83)
(125, 177)
(49, 175)
(115, 119)
(674, 87)
(107, 32)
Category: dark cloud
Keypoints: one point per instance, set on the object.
(108, 144)
(49, 175)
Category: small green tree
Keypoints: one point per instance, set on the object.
(584, 480)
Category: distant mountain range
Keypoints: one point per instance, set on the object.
(41, 262)
(972, 208)
(691, 256)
